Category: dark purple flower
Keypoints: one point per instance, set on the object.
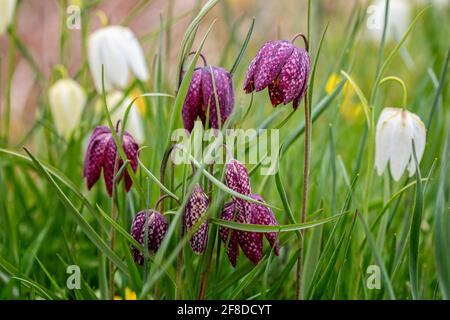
(251, 243)
(196, 207)
(157, 229)
(230, 237)
(200, 95)
(237, 179)
(101, 154)
(283, 68)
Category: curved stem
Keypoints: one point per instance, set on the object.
(182, 65)
(305, 40)
(164, 197)
(402, 83)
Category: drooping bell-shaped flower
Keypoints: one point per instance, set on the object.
(67, 99)
(200, 101)
(101, 155)
(397, 129)
(251, 243)
(118, 50)
(196, 207)
(6, 14)
(281, 67)
(157, 229)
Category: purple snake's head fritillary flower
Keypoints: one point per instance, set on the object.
(200, 98)
(251, 243)
(196, 207)
(157, 229)
(281, 67)
(101, 154)
(230, 237)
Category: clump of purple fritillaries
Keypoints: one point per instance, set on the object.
(279, 66)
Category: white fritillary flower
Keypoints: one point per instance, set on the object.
(118, 50)
(397, 130)
(67, 99)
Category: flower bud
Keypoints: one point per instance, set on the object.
(67, 99)
(196, 207)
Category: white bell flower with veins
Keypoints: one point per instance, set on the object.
(397, 129)
(118, 50)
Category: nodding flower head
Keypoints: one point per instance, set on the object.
(157, 229)
(283, 68)
(196, 207)
(200, 99)
(396, 132)
(101, 154)
(251, 243)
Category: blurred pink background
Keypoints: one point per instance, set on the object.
(39, 25)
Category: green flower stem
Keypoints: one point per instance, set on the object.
(402, 83)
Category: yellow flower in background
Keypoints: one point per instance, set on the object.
(129, 295)
(117, 105)
(352, 111)
(67, 99)
(349, 109)
(6, 14)
(140, 102)
(332, 83)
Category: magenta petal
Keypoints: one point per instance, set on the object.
(137, 232)
(249, 85)
(94, 156)
(230, 237)
(251, 244)
(130, 148)
(196, 207)
(263, 215)
(109, 165)
(157, 230)
(192, 106)
(271, 62)
(305, 75)
(237, 179)
(275, 93)
(224, 91)
(292, 76)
